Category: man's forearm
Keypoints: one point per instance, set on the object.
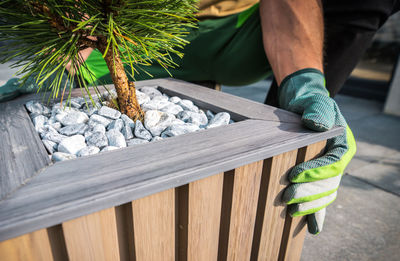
(293, 35)
(84, 54)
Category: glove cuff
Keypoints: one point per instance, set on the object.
(301, 84)
(299, 72)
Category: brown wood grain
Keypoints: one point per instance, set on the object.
(243, 214)
(92, 237)
(273, 213)
(154, 226)
(296, 228)
(34, 246)
(205, 197)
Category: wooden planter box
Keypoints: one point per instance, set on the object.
(207, 195)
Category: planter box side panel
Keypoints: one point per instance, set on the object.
(233, 215)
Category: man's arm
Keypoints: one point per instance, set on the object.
(84, 54)
(293, 35)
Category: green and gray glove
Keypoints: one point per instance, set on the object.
(11, 89)
(315, 182)
(15, 87)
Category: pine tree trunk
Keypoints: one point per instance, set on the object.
(126, 91)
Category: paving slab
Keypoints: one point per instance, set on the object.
(6, 72)
(369, 153)
(379, 129)
(356, 108)
(362, 224)
(377, 160)
(256, 91)
(384, 174)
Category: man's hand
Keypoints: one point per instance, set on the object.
(315, 182)
(9, 90)
(15, 87)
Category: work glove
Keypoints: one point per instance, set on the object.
(15, 87)
(12, 89)
(314, 183)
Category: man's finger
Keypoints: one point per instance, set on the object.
(319, 113)
(304, 192)
(315, 221)
(339, 152)
(306, 208)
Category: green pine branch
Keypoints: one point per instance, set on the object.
(47, 35)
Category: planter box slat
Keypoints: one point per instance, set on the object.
(22, 152)
(295, 228)
(204, 207)
(271, 221)
(155, 226)
(214, 193)
(32, 246)
(92, 237)
(243, 212)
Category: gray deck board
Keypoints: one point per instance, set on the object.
(22, 152)
(74, 188)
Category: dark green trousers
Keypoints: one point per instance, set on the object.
(226, 50)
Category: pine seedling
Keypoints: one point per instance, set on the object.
(48, 35)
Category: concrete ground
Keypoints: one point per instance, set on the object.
(364, 221)
(6, 73)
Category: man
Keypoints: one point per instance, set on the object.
(239, 42)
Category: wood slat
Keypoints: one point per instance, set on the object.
(205, 198)
(92, 237)
(154, 226)
(272, 211)
(22, 153)
(243, 213)
(295, 228)
(34, 246)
